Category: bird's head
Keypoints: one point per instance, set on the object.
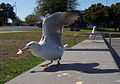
(94, 27)
(29, 47)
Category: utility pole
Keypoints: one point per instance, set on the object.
(106, 1)
(15, 8)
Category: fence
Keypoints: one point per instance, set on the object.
(90, 49)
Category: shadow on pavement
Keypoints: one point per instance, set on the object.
(114, 54)
(85, 68)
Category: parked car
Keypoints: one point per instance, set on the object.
(90, 26)
(39, 24)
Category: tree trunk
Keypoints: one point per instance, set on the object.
(119, 29)
(115, 29)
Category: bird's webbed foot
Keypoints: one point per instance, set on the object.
(45, 65)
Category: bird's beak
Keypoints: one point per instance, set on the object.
(24, 50)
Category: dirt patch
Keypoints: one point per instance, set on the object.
(10, 44)
(8, 49)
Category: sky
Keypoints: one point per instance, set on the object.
(26, 7)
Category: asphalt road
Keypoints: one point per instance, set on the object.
(16, 28)
(116, 45)
(115, 49)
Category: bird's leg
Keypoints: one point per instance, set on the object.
(45, 65)
(59, 61)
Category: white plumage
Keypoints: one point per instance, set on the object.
(50, 46)
(93, 31)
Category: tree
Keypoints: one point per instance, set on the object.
(95, 14)
(52, 6)
(7, 13)
(31, 20)
(115, 15)
(17, 22)
(1, 16)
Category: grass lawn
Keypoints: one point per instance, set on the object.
(11, 64)
(4, 26)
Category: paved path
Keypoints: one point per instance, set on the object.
(116, 45)
(77, 67)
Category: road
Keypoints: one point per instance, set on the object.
(16, 28)
(116, 45)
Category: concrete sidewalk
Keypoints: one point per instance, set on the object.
(77, 67)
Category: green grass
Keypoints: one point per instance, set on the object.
(106, 30)
(68, 38)
(12, 65)
(15, 67)
(4, 26)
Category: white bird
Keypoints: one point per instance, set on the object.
(50, 46)
(93, 31)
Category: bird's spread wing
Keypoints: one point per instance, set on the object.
(52, 26)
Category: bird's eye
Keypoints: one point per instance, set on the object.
(29, 45)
